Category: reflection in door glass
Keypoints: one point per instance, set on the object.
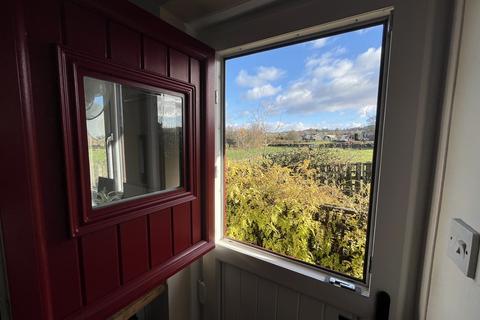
(300, 137)
(134, 140)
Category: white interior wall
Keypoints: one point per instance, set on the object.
(182, 293)
(452, 294)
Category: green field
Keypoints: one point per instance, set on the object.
(347, 155)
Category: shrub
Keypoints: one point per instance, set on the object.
(329, 165)
(296, 157)
(282, 208)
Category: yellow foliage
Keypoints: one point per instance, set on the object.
(283, 209)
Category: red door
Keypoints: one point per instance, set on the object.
(54, 273)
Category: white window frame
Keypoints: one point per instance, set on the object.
(229, 246)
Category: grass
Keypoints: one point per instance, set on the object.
(347, 155)
(236, 154)
(98, 164)
(355, 155)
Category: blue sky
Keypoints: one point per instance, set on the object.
(325, 83)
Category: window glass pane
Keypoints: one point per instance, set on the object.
(134, 140)
(299, 145)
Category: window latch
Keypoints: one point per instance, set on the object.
(342, 284)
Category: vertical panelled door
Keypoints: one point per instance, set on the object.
(117, 258)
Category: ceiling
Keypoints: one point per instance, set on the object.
(192, 16)
(227, 24)
(188, 10)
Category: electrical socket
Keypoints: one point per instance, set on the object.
(463, 246)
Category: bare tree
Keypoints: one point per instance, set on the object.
(293, 136)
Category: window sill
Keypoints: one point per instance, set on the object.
(317, 274)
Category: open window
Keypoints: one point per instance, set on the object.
(302, 137)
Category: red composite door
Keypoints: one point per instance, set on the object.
(52, 272)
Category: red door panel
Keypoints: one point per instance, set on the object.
(196, 222)
(161, 243)
(134, 248)
(85, 30)
(125, 45)
(100, 263)
(181, 228)
(44, 21)
(155, 56)
(64, 266)
(178, 65)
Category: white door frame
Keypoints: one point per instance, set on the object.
(404, 182)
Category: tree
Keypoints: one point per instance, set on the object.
(293, 136)
(251, 135)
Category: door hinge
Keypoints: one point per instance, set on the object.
(201, 292)
(370, 263)
(216, 96)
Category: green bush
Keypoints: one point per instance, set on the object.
(282, 208)
(296, 157)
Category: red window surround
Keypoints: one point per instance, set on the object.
(73, 67)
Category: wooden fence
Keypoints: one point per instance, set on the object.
(348, 145)
(339, 145)
(349, 177)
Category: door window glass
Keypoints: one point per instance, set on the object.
(300, 144)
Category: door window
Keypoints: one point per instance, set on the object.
(300, 140)
(134, 140)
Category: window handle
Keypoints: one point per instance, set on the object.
(109, 142)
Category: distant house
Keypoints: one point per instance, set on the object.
(359, 136)
(364, 135)
(329, 137)
(342, 138)
(319, 137)
(307, 137)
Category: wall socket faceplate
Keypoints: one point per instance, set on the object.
(463, 243)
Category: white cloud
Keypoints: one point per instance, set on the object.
(362, 31)
(266, 90)
(236, 125)
(370, 59)
(367, 111)
(319, 43)
(280, 126)
(275, 126)
(333, 83)
(354, 125)
(263, 76)
(295, 96)
(283, 126)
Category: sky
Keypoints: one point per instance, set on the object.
(329, 83)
